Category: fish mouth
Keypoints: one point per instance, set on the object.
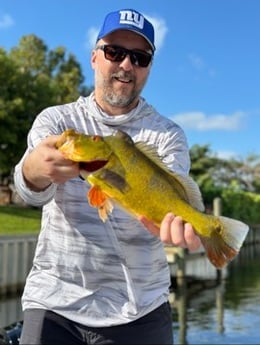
(92, 166)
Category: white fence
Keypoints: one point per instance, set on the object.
(16, 255)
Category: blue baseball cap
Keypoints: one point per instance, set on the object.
(128, 19)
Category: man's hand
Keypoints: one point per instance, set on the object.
(174, 231)
(46, 164)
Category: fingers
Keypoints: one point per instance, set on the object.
(52, 140)
(46, 164)
(176, 232)
(155, 230)
(50, 152)
(192, 240)
(173, 231)
(66, 168)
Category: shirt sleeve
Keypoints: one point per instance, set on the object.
(29, 196)
(168, 139)
(174, 151)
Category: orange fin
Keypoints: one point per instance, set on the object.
(218, 251)
(97, 198)
(222, 247)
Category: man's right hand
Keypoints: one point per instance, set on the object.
(46, 165)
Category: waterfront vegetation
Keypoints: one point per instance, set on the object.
(15, 220)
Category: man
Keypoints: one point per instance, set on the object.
(94, 282)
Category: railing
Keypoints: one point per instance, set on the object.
(16, 255)
(196, 265)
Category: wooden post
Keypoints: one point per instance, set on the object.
(217, 211)
(182, 292)
(181, 264)
(220, 306)
(217, 207)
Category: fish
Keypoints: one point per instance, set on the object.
(133, 176)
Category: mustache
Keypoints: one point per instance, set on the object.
(123, 75)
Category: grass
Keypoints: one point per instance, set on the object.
(15, 220)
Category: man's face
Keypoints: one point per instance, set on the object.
(119, 84)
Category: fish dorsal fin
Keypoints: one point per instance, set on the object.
(150, 152)
(191, 191)
(186, 187)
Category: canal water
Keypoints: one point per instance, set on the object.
(228, 313)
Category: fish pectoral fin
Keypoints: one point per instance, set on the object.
(105, 209)
(97, 198)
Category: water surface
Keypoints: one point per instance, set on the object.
(228, 313)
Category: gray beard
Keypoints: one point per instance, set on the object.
(110, 97)
(119, 101)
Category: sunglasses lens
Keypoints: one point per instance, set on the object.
(118, 54)
(114, 53)
(140, 59)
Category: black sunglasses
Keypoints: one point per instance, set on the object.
(118, 54)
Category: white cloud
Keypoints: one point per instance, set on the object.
(203, 122)
(199, 64)
(160, 29)
(91, 37)
(196, 61)
(6, 21)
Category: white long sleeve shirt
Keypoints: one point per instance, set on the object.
(97, 274)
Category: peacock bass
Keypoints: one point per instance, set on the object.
(132, 175)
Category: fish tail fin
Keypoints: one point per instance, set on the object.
(222, 247)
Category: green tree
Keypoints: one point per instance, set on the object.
(250, 170)
(31, 79)
(235, 181)
(203, 165)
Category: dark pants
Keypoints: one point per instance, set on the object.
(45, 327)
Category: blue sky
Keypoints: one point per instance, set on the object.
(206, 72)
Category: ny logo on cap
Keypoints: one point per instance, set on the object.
(132, 18)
